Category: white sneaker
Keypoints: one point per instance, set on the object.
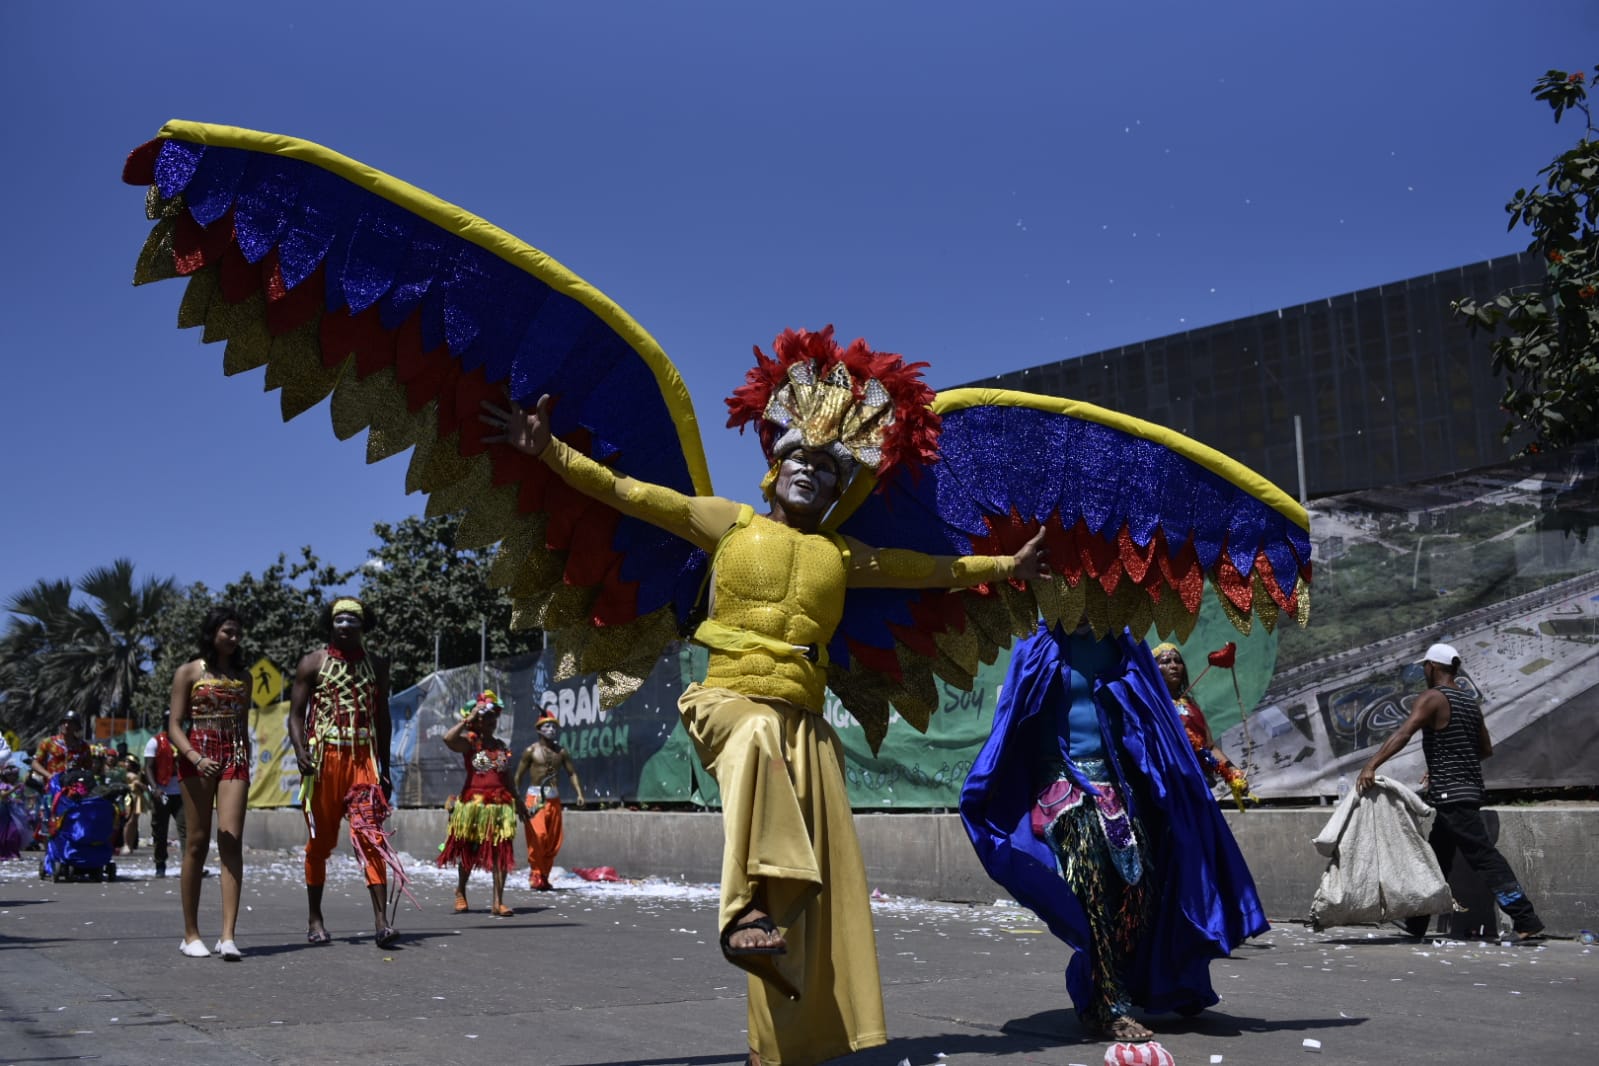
(195, 949)
(229, 951)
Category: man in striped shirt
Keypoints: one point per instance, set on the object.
(1454, 742)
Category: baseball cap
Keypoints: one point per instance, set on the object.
(1442, 654)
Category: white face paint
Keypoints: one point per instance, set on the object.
(347, 628)
(807, 482)
(547, 730)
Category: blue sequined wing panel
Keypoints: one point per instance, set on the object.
(408, 312)
(1138, 520)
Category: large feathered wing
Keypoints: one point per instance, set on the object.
(409, 312)
(1139, 519)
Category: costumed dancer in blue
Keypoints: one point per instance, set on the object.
(1087, 805)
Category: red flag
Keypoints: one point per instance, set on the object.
(1225, 657)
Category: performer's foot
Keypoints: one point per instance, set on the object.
(388, 936)
(500, 910)
(538, 882)
(460, 902)
(753, 934)
(195, 948)
(1124, 1029)
(316, 932)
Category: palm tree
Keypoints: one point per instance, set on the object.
(33, 696)
(56, 655)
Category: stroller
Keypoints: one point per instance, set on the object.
(78, 837)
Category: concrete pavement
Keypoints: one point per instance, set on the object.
(629, 975)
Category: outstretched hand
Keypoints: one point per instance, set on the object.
(1032, 560)
(526, 431)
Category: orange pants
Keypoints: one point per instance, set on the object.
(342, 769)
(544, 837)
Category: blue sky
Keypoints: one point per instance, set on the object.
(981, 186)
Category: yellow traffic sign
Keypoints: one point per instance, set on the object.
(268, 683)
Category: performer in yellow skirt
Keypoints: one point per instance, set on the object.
(795, 911)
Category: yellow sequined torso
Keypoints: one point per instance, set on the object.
(775, 581)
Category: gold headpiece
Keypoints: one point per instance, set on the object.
(824, 413)
(864, 408)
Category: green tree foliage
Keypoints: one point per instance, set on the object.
(281, 612)
(420, 585)
(89, 656)
(117, 655)
(175, 641)
(1546, 340)
(33, 695)
(282, 608)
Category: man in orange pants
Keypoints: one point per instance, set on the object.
(543, 829)
(339, 726)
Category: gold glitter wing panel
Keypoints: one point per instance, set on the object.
(1138, 520)
(409, 312)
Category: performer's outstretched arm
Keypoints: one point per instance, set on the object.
(899, 568)
(700, 520)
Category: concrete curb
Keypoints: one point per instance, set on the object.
(929, 856)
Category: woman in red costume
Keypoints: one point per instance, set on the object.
(1212, 760)
(209, 727)
(483, 820)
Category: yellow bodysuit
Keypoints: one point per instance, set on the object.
(777, 595)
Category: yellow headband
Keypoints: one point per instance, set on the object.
(346, 605)
(1166, 646)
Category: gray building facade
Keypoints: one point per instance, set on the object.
(1389, 386)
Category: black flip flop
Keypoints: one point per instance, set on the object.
(388, 937)
(764, 925)
(318, 936)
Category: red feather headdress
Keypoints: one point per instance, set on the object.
(872, 405)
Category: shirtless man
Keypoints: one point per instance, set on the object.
(542, 827)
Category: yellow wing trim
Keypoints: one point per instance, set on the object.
(490, 238)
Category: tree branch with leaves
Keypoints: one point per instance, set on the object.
(1546, 338)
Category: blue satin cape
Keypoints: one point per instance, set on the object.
(1202, 899)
